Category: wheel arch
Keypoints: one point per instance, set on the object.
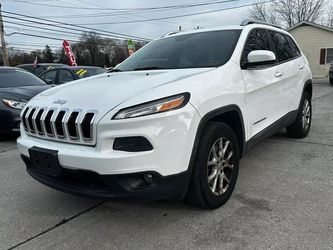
(232, 116)
(308, 87)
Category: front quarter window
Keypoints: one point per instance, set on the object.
(195, 50)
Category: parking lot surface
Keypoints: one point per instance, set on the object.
(283, 200)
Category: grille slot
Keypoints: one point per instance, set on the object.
(48, 125)
(38, 122)
(30, 123)
(24, 120)
(71, 125)
(59, 124)
(86, 126)
(74, 126)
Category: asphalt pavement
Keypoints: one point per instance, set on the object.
(283, 200)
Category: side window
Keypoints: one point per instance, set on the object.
(50, 77)
(28, 68)
(39, 70)
(294, 49)
(257, 40)
(282, 46)
(65, 76)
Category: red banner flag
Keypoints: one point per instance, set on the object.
(69, 52)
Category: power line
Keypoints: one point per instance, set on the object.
(57, 24)
(176, 16)
(132, 13)
(32, 45)
(128, 9)
(43, 32)
(173, 7)
(70, 40)
(46, 37)
(38, 27)
(36, 44)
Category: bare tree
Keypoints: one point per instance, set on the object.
(92, 43)
(262, 12)
(288, 12)
(329, 21)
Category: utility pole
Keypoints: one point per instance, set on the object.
(3, 42)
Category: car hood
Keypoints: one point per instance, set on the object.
(104, 92)
(22, 93)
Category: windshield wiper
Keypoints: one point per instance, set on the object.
(114, 70)
(148, 68)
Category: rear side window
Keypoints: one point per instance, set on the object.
(294, 49)
(65, 76)
(282, 47)
(257, 40)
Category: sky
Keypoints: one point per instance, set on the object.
(83, 12)
(93, 13)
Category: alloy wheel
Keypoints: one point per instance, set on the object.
(306, 114)
(220, 166)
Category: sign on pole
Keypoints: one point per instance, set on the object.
(131, 47)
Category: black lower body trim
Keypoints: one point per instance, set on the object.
(142, 186)
(283, 122)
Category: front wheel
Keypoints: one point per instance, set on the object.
(331, 81)
(301, 126)
(216, 167)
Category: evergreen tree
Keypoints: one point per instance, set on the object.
(48, 55)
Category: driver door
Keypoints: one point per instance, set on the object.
(263, 95)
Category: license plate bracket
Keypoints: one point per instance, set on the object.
(45, 161)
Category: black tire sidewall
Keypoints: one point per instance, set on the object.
(296, 130)
(306, 96)
(213, 132)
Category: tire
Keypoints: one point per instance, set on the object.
(331, 81)
(200, 192)
(301, 126)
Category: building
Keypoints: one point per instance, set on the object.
(316, 42)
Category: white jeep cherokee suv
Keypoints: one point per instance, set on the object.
(173, 120)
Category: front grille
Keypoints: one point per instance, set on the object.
(73, 126)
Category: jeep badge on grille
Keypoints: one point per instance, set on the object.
(61, 102)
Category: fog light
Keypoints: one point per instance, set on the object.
(148, 178)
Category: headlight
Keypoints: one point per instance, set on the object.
(14, 104)
(154, 107)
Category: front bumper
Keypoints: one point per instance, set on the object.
(171, 135)
(129, 186)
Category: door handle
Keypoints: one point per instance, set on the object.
(278, 74)
(300, 67)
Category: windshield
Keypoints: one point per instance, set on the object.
(86, 72)
(14, 78)
(198, 50)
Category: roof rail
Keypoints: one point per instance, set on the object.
(248, 22)
(170, 33)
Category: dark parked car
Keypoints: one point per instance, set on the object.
(17, 86)
(41, 67)
(62, 75)
(331, 74)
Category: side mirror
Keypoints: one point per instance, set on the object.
(259, 58)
